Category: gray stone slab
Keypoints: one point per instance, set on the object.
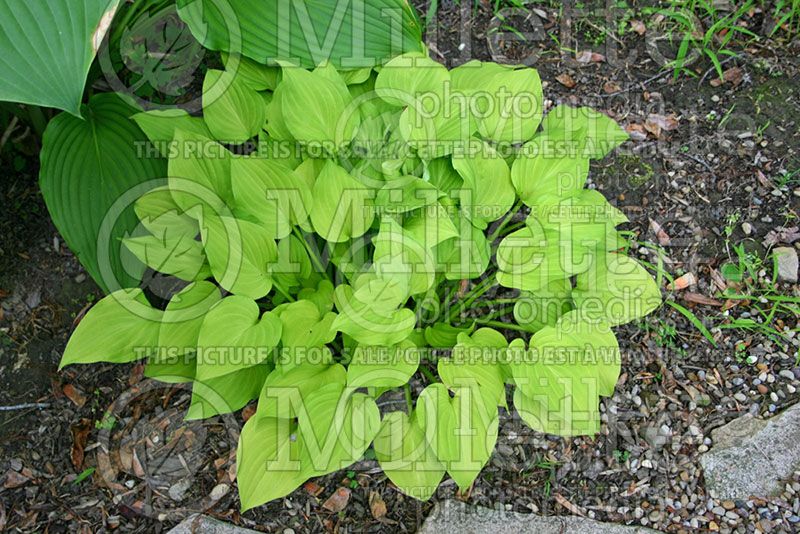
(202, 524)
(454, 516)
(750, 456)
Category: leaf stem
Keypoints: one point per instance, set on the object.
(315, 259)
(409, 404)
(500, 324)
(510, 215)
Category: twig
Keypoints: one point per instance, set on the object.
(12, 125)
(25, 406)
(636, 85)
(721, 63)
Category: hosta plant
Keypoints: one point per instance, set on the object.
(337, 234)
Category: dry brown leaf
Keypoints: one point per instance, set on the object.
(782, 235)
(733, 75)
(587, 56)
(682, 282)
(638, 26)
(136, 374)
(313, 488)
(566, 80)
(656, 123)
(376, 505)
(248, 412)
(663, 237)
(75, 395)
(338, 501)
(80, 433)
(2, 517)
(138, 469)
(636, 131)
(697, 298)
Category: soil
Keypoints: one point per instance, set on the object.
(699, 180)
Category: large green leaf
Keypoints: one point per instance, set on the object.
(90, 176)
(48, 47)
(349, 34)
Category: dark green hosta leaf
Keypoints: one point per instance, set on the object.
(88, 170)
(121, 328)
(48, 48)
(350, 34)
(560, 378)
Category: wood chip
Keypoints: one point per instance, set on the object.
(587, 56)
(697, 298)
(663, 238)
(682, 282)
(376, 505)
(638, 26)
(566, 80)
(611, 87)
(313, 488)
(14, 479)
(338, 501)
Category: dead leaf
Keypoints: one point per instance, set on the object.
(313, 488)
(80, 434)
(656, 123)
(611, 87)
(638, 26)
(587, 56)
(338, 501)
(663, 237)
(636, 131)
(14, 479)
(682, 282)
(763, 180)
(733, 75)
(719, 281)
(75, 395)
(697, 298)
(138, 470)
(560, 499)
(376, 505)
(566, 80)
(2, 517)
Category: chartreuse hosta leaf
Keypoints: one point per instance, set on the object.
(395, 247)
(373, 314)
(384, 367)
(315, 108)
(317, 263)
(232, 109)
(587, 133)
(511, 102)
(476, 361)
(406, 457)
(122, 327)
(240, 253)
(461, 430)
(305, 333)
(343, 206)
(271, 193)
(200, 172)
(562, 374)
(170, 247)
(175, 359)
(235, 336)
(487, 193)
(334, 427)
(616, 288)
